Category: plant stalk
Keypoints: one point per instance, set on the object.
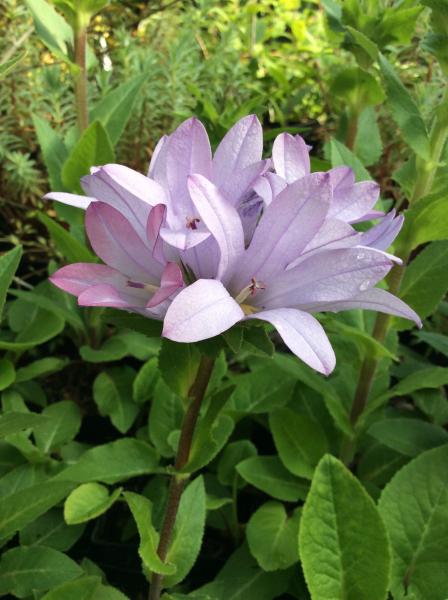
(178, 482)
(82, 112)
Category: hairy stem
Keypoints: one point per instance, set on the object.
(81, 77)
(178, 482)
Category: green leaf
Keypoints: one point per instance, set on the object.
(43, 301)
(88, 501)
(26, 570)
(178, 365)
(257, 341)
(414, 508)
(261, 391)
(23, 507)
(93, 148)
(165, 417)
(7, 373)
(188, 532)
(269, 475)
(53, 150)
(13, 422)
(341, 155)
(51, 530)
(272, 536)
(438, 341)
(232, 455)
(299, 440)
(368, 144)
(70, 248)
(84, 588)
(405, 111)
(120, 345)
(115, 109)
(120, 318)
(112, 392)
(241, 579)
(8, 66)
(408, 436)
(426, 221)
(364, 42)
(43, 326)
(425, 281)
(113, 462)
(8, 266)
(141, 509)
(145, 381)
(51, 28)
(40, 368)
(342, 541)
(358, 88)
(61, 426)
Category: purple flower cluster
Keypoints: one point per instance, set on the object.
(207, 240)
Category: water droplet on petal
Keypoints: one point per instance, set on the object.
(364, 285)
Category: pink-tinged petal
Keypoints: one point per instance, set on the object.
(172, 281)
(157, 166)
(183, 239)
(370, 216)
(288, 224)
(303, 335)
(291, 157)
(201, 311)
(242, 182)
(329, 275)
(155, 242)
(108, 295)
(222, 220)
(382, 235)
(241, 146)
(188, 151)
(70, 199)
(118, 245)
(352, 203)
(269, 187)
(373, 299)
(78, 277)
(125, 190)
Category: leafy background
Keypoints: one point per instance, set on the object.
(291, 495)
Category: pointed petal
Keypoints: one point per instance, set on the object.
(172, 280)
(221, 219)
(157, 166)
(341, 176)
(183, 239)
(269, 186)
(382, 235)
(203, 259)
(329, 275)
(201, 311)
(153, 226)
(291, 157)
(303, 335)
(352, 203)
(118, 245)
(188, 151)
(108, 295)
(373, 299)
(70, 199)
(242, 182)
(78, 277)
(241, 146)
(288, 224)
(332, 234)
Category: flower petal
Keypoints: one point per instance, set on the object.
(157, 166)
(291, 157)
(183, 239)
(286, 227)
(303, 335)
(353, 202)
(201, 311)
(78, 277)
(269, 186)
(329, 275)
(108, 295)
(188, 151)
(221, 219)
(153, 226)
(242, 182)
(70, 199)
(382, 235)
(241, 146)
(118, 245)
(374, 299)
(172, 280)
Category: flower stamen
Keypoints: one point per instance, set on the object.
(250, 290)
(192, 222)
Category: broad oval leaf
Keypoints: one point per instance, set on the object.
(88, 501)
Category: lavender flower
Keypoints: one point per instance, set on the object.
(201, 244)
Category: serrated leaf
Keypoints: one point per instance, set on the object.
(53, 150)
(408, 436)
(145, 381)
(40, 368)
(61, 426)
(165, 416)
(112, 392)
(8, 266)
(7, 373)
(84, 588)
(341, 155)
(269, 475)
(178, 365)
(51, 530)
(337, 520)
(414, 506)
(70, 248)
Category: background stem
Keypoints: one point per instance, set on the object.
(81, 78)
(178, 482)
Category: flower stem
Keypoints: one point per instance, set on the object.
(178, 482)
(81, 77)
